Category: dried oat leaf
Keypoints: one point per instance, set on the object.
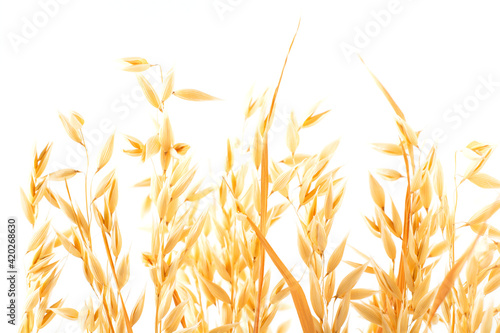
(294, 160)
(148, 91)
(123, 271)
(67, 313)
(369, 269)
(315, 294)
(196, 230)
(477, 312)
(350, 281)
(388, 148)
(106, 152)
(73, 132)
(27, 207)
(377, 192)
(63, 174)
(485, 213)
(486, 325)
(438, 179)
(188, 329)
(68, 245)
(174, 317)
(216, 290)
(336, 256)
(342, 312)
(136, 143)
(314, 119)
(224, 328)
(396, 220)
(329, 150)
(143, 183)
(492, 284)
(77, 119)
(153, 146)
(304, 246)
(39, 237)
(96, 269)
(166, 134)
(369, 312)
(104, 185)
(194, 95)
(181, 148)
(32, 300)
(283, 180)
(388, 242)
(134, 60)
(136, 68)
(485, 181)
(183, 183)
(168, 86)
(423, 305)
(438, 249)
(284, 327)
(389, 174)
(387, 283)
(360, 293)
(407, 132)
(67, 209)
(137, 310)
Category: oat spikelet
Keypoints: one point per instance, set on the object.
(106, 152)
(148, 91)
(194, 95)
(377, 192)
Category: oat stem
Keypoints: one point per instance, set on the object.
(112, 265)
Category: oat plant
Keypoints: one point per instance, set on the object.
(423, 232)
(210, 263)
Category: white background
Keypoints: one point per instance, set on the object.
(432, 56)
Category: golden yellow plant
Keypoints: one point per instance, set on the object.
(207, 263)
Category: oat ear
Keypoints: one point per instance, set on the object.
(168, 86)
(106, 152)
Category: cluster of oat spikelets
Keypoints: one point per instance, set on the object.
(211, 263)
